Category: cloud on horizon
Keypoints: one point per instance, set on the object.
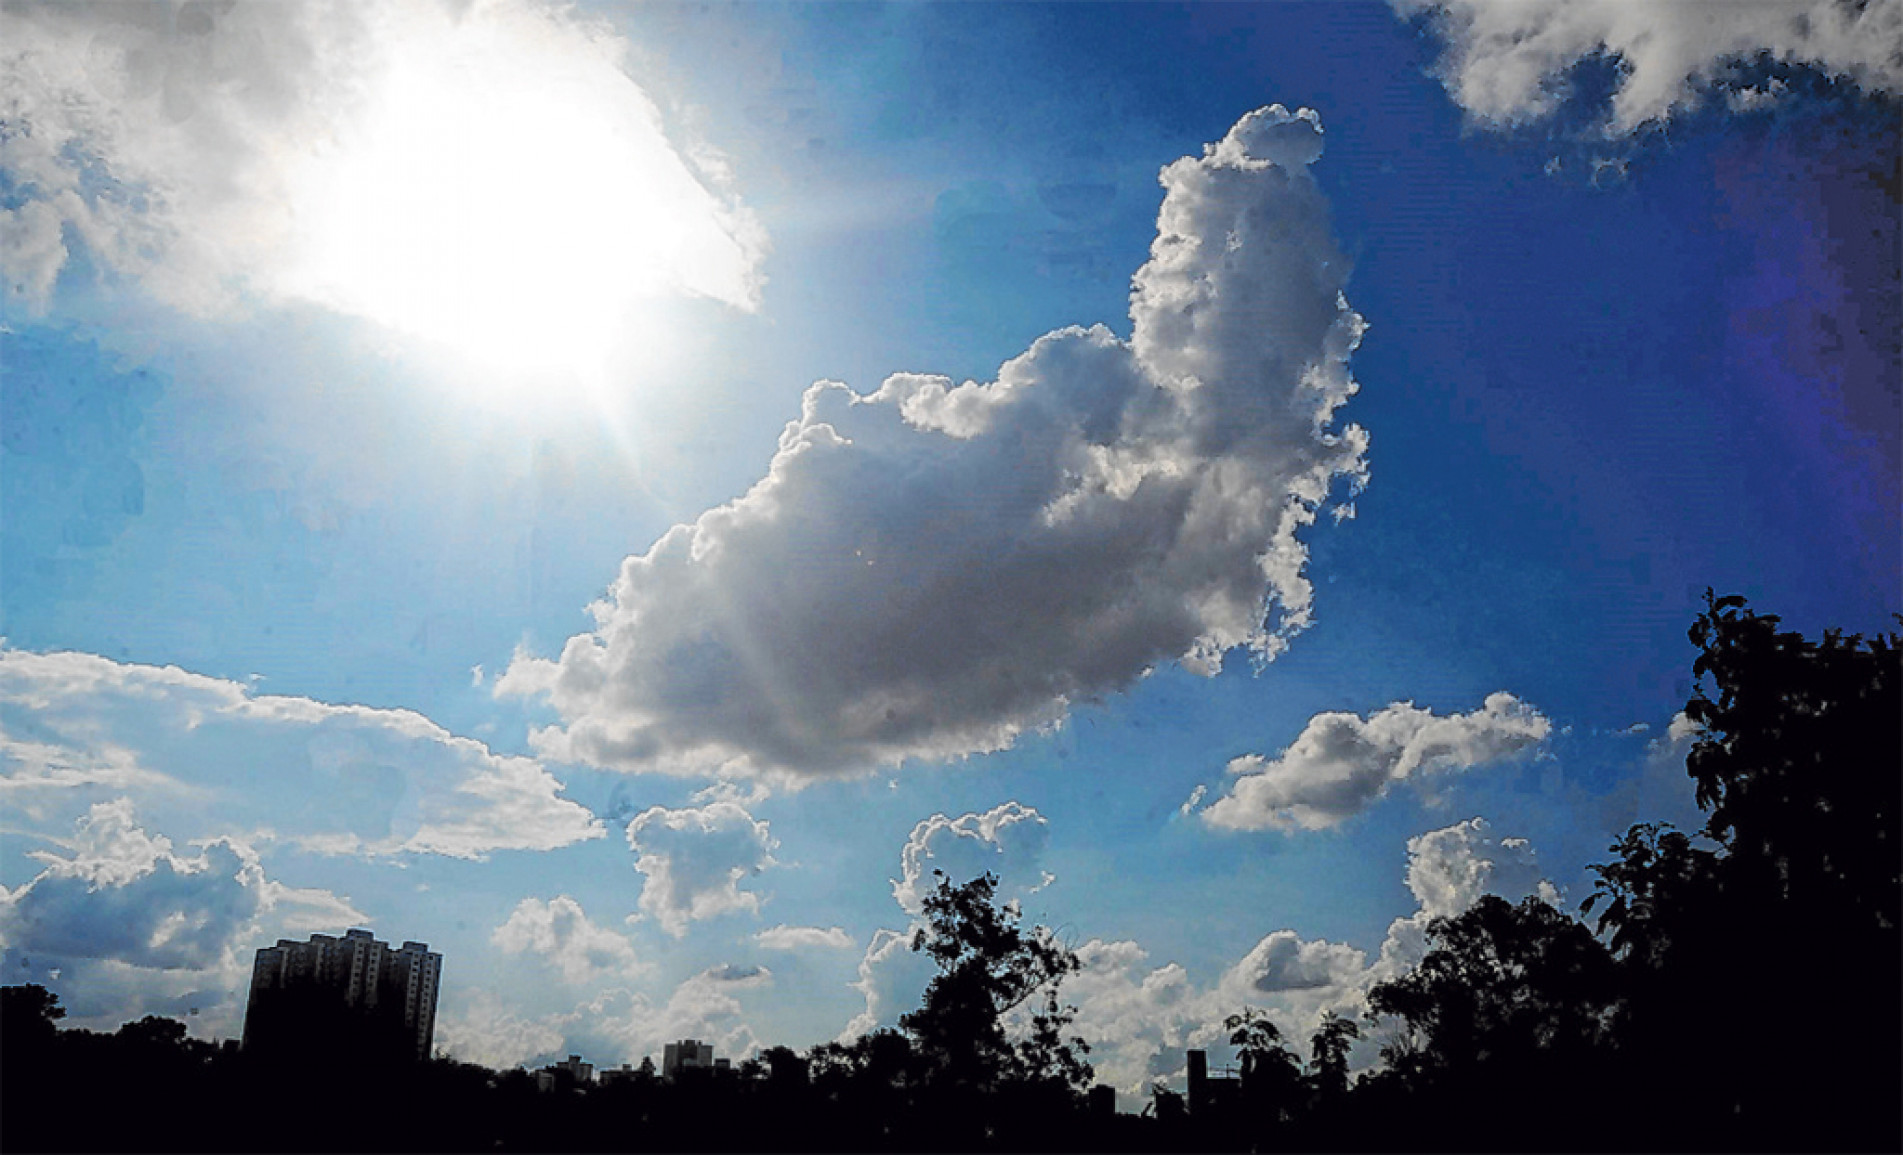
(1508, 62)
(929, 570)
(616, 1026)
(1140, 1018)
(123, 925)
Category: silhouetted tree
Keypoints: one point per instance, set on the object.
(1800, 764)
(987, 967)
(29, 1016)
(1271, 1075)
(1328, 1055)
(1801, 759)
(1499, 982)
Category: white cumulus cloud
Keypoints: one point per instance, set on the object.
(695, 860)
(560, 931)
(1007, 841)
(1507, 61)
(804, 938)
(930, 569)
(340, 779)
(1450, 869)
(1341, 763)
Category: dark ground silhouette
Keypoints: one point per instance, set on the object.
(1740, 988)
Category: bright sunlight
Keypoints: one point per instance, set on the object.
(510, 197)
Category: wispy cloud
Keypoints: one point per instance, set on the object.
(339, 779)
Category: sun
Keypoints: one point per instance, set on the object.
(508, 194)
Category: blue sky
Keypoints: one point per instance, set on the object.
(1342, 575)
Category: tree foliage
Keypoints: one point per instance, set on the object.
(1799, 760)
(988, 966)
(1500, 982)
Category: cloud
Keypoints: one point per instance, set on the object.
(1450, 869)
(208, 151)
(1507, 62)
(129, 926)
(560, 932)
(1340, 763)
(624, 1027)
(892, 979)
(695, 861)
(123, 894)
(1007, 841)
(931, 569)
(341, 779)
(477, 1027)
(1283, 962)
(1140, 1018)
(804, 938)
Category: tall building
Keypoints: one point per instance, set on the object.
(686, 1055)
(334, 994)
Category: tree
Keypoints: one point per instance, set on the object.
(29, 1016)
(1799, 766)
(1328, 1054)
(1656, 892)
(1270, 1072)
(1799, 762)
(987, 967)
(1500, 982)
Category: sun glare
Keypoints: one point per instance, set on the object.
(511, 197)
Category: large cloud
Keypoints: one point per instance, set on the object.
(695, 860)
(344, 779)
(1341, 763)
(123, 925)
(930, 569)
(560, 932)
(1508, 61)
(202, 149)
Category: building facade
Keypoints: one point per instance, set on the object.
(343, 993)
(686, 1055)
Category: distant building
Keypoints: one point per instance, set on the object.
(343, 995)
(686, 1055)
(1103, 1100)
(571, 1072)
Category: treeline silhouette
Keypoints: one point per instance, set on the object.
(1737, 988)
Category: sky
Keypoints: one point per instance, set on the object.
(624, 493)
